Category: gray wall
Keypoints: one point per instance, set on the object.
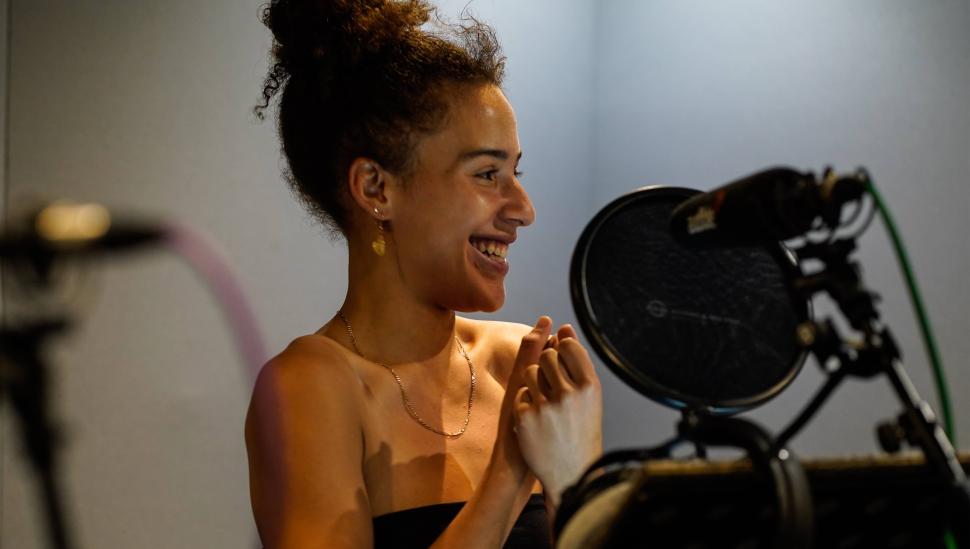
(145, 106)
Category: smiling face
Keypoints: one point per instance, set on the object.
(455, 217)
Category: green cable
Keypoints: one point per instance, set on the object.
(924, 324)
(917, 300)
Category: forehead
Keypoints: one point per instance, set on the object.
(478, 117)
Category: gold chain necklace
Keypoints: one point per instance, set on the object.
(404, 395)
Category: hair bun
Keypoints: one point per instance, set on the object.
(338, 32)
(364, 78)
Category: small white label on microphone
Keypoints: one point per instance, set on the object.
(702, 220)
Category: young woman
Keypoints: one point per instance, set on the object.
(399, 423)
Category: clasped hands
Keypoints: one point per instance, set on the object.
(557, 407)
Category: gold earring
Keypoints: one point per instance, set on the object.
(379, 245)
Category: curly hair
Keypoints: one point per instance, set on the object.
(364, 78)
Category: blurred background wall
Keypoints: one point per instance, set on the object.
(146, 106)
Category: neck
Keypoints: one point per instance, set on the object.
(390, 323)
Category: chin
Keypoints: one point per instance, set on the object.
(494, 301)
(492, 307)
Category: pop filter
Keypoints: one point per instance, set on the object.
(711, 330)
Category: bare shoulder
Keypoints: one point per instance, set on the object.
(493, 332)
(310, 367)
(305, 412)
(502, 339)
(309, 382)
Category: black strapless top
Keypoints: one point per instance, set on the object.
(418, 528)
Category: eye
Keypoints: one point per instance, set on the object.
(488, 175)
(493, 174)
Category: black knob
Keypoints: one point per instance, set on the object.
(890, 436)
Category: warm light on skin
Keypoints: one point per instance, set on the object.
(465, 184)
(68, 222)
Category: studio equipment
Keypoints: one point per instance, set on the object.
(694, 300)
(62, 232)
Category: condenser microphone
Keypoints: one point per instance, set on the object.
(772, 205)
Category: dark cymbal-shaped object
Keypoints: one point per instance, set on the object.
(710, 330)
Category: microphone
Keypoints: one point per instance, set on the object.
(773, 205)
(69, 228)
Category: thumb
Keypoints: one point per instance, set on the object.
(534, 343)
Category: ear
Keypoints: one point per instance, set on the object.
(367, 182)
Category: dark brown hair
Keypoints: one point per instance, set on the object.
(364, 78)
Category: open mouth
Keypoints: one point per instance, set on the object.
(492, 250)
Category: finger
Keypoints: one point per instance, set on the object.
(576, 361)
(533, 342)
(549, 366)
(523, 402)
(532, 383)
(566, 330)
(544, 384)
(552, 342)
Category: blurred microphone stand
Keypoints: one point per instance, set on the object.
(62, 231)
(57, 231)
(23, 379)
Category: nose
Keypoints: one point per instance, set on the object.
(519, 209)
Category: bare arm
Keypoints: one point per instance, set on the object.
(305, 445)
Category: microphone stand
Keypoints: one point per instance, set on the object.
(23, 378)
(874, 354)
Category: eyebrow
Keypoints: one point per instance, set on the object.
(494, 153)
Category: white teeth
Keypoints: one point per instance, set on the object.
(492, 247)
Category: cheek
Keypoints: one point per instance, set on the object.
(434, 224)
(437, 236)
(442, 217)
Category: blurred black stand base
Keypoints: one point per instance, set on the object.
(24, 382)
